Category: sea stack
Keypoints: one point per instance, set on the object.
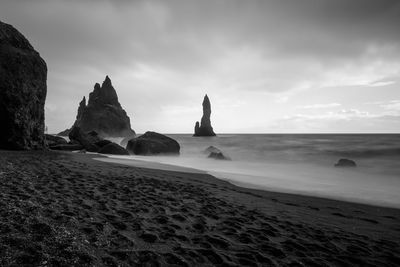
(204, 128)
(103, 113)
(23, 89)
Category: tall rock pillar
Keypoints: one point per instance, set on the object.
(205, 128)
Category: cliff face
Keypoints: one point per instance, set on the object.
(23, 89)
(205, 128)
(103, 113)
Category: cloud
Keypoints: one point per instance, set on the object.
(343, 121)
(169, 53)
(319, 106)
(393, 105)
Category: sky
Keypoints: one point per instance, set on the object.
(279, 66)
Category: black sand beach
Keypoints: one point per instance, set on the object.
(66, 209)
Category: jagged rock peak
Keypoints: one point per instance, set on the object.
(104, 94)
(205, 128)
(107, 81)
(103, 113)
(206, 103)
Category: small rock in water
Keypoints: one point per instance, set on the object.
(215, 153)
(219, 155)
(345, 163)
(211, 149)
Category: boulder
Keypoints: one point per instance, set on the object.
(52, 140)
(87, 140)
(102, 143)
(218, 155)
(215, 153)
(211, 149)
(114, 149)
(205, 128)
(345, 163)
(103, 113)
(23, 89)
(152, 143)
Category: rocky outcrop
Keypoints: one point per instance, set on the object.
(345, 163)
(103, 113)
(152, 143)
(64, 133)
(52, 140)
(23, 75)
(204, 128)
(215, 153)
(113, 149)
(87, 140)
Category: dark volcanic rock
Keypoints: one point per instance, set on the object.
(102, 143)
(23, 91)
(52, 140)
(215, 153)
(64, 133)
(205, 128)
(152, 143)
(87, 140)
(345, 163)
(114, 149)
(103, 113)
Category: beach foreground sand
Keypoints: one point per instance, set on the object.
(66, 209)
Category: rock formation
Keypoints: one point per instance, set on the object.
(114, 149)
(152, 143)
(345, 163)
(52, 140)
(215, 153)
(103, 113)
(87, 140)
(204, 128)
(23, 75)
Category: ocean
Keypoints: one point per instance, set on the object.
(299, 163)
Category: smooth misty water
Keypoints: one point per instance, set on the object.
(300, 163)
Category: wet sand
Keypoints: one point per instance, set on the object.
(66, 209)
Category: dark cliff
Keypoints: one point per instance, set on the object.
(23, 89)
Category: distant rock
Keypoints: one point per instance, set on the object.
(205, 128)
(211, 149)
(345, 163)
(113, 149)
(87, 140)
(23, 89)
(218, 156)
(103, 113)
(215, 153)
(152, 143)
(52, 140)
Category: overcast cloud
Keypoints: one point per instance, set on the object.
(259, 61)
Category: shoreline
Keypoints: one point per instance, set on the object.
(69, 209)
(220, 175)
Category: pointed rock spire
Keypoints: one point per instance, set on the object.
(204, 128)
(103, 113)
